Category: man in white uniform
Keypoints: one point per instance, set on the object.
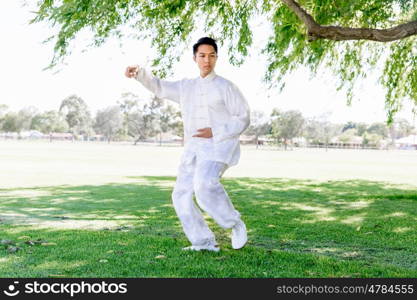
(215, 113)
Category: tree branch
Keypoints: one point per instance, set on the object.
(338, 33)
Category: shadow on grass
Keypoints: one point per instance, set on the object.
(89, 207)
(354, 221)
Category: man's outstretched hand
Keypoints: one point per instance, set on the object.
(204, 133)
(132, 71)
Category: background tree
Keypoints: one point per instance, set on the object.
(109, 122)
(127, 103)
(329, 131)
(371, 139)
(321, 131)
(10, 122)
(286, 125)
(77, 115)
(167, 119)
(378, 128)
(140, 116)
(259, 125)
(312, 131)
(25, 117)
(400, 128)
(360, 127)
(3, 111)
(50, 121)
(349, 125)
(403, 128)
(16, 122)
(348, 136)
(349, 38)
(177, 126)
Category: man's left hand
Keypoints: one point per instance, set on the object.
(204, 133)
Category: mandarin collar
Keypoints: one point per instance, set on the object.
(208, 78)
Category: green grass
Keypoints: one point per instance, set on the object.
(30, 164)
(297, 228)
(104, 210)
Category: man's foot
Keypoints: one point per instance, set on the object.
(208, 247)
(239, 235)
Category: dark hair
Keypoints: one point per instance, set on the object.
(205, 41)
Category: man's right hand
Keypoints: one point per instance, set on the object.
(132, 71)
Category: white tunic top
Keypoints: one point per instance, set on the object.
(212, 101)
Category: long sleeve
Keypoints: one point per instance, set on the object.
(238, 109)
(161, 88)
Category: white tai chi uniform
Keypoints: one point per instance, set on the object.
(214, 102)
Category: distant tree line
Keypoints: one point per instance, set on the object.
(136, 119)
(282, 127)
(131, 118)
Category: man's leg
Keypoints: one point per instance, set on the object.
(212, 198)
(193, 223)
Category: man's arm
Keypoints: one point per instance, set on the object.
(161, 88)
(238, 108)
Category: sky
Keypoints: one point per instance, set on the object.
(97, 75)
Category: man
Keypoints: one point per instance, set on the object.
(215, 113)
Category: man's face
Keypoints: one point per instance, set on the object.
(206, 58)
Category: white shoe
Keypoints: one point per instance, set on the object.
(208, 247)
(239, 235)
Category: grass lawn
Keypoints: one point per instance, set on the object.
(97, 210)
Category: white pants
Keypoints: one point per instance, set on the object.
(202, 178)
